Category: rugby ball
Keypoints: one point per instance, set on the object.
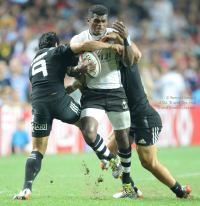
(91, 57)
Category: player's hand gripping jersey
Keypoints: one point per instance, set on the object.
(47, 72)
(110, 76)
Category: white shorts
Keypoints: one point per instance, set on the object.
(119, 120)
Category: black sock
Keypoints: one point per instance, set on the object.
(125, 155)
(100, 156)
(133, 185)
(100, 149)
(135, 188)
(177, 190)
(33, 166)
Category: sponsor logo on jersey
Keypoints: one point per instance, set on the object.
(39, 126)
(124, 104)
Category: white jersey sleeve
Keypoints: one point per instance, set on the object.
(110, 77)
(78, 38)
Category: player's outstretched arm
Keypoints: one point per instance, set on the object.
(94, 45)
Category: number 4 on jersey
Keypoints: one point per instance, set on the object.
(42, 68)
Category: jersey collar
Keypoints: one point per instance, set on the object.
(97, 38)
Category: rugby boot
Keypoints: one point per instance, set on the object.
(129, 191)
(23, 195)
(104, 164)
(116, 167)
(186, 191)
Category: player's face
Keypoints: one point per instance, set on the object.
(98, 24)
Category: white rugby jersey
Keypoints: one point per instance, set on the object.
(110, 77)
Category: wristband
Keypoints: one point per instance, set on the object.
(75, 83)
(127, 41)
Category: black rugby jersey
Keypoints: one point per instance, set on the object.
(47, 71)
(137, 99)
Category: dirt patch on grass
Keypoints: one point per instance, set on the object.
(87, 171)
(100, 179)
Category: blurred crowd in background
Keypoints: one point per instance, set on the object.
(166, 31)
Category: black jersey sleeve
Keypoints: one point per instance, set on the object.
(64, 50)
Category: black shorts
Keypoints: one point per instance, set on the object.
(145, 130)
(43, 113)
(110, 100)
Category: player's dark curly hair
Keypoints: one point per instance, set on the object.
(48, 40)
(97, 9)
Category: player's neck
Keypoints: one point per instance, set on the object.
(97, 36)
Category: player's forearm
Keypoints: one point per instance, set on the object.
(89, 46)
(95, 45)
(128, 53)
(73, 87)
(69, 89)
(137, 53)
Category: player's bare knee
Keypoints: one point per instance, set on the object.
(89, 133)
(122, 138)
(89, 129)
(149, 164)
(146, 164)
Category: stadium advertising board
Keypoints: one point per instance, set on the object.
(180, 128)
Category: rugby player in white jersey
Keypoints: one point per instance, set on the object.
(105, 93)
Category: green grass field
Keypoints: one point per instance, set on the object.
(63, 180)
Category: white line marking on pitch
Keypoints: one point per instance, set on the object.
(3, 192)
(190, 174)
(184, 175)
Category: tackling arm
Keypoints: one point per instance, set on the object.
(128, 53)
(73, 87)
(77, 84)
(94, 45)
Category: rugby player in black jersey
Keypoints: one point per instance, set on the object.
(50, 100)
(146, 123)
